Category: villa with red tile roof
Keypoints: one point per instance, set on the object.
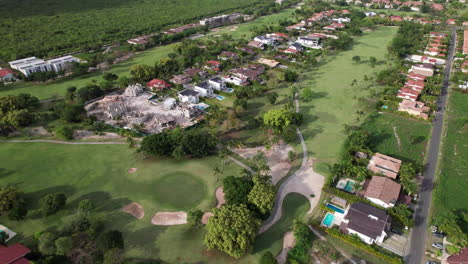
(385, 165)
(382, 191)
(460, 258)
(396, 18)
(213, 65)
(438, 7)
(465, 42)
(14, 254)
(408, 93)
(7, 75)
(157, 84)
(414, 108)
(450, 22)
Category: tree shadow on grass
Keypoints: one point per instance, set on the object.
(5, 172)
(102, 201)
(144, 239)
(32, 198)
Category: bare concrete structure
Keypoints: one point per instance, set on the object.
(136, 107)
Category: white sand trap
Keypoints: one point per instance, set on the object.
(220, 197)
(205, 217)
(277, 157)
(288, 243)
(132, 170)
(169, 218)
(135, 209)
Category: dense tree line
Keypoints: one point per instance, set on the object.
(408, 38)
(16, 112)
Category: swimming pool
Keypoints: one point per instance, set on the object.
(328, 220)
(336, 209)
(349, 187)
(229, 90)
(219, 97)
(201, 107)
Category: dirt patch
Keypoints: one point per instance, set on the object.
(84, 134)
(169, 218)
(277, 157)
(132, 170)
(135, 210)
(205, 217)
(40, 131)
(288, 243)
(234, 28)
(220, 197)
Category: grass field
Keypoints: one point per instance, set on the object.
(452, 182)
(335, 100)
(100, 173)
(43, 29)
(413, 136)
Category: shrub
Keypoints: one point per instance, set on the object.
(64, 132)
(112, 239)
(18, 212)
(268, 258)
(52, 203)
(303, 236)
(194, 217)
(85, 206)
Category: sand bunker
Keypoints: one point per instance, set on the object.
(234, 28)
(135, 210)
(288, 243)
(132, 170)
(220, 197)
(205, 217)
(169, 218)
(277, 157)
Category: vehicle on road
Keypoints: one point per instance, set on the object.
(396, 231)
(438, 245)
(432, 262)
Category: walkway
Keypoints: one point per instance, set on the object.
(304, 181)
(62, 142)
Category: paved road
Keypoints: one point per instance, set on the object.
(415, 254)
(62, 142)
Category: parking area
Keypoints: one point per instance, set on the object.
(396, 243)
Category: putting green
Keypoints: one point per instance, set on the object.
(180, 190)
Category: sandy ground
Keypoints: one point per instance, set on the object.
(277, 157)
(288, 243)
(84, 134)
(135, 210)
(169, 218)
(220, 197)
(306, 182)
(205, 217)
(234, 28)
(132, 170)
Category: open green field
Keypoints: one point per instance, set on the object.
(411, 143)
(99, 173)
(452, 182)
(41, 29)
(335, 101)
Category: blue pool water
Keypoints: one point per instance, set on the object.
(349, 187)
(328, 220)
(336, 209)
(229, 90)
(201, 107)
(219, 97)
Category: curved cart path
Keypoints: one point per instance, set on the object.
(304, 181)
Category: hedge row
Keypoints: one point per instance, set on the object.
(351, 198)
(356, 242)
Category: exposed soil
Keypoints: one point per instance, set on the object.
(135, 209)
(234, 28)
(205, 217)
(84, 134)
(288, 243)
(277, 157)
(132, 170)
(169, 218)
(220, 197)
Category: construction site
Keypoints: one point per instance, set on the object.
(136, 108)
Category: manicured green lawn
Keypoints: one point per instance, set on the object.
(413, 135)
(99, 173)
(335, 100)
(452, 183)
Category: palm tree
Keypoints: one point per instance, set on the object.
(131, 142)
(217, 171)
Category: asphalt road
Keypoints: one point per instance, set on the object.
(415, 254)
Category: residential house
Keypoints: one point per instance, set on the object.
(157, 84)
(60, 64)
(30, 65)
(370, 14)
(408, 93)
(464, 67)
(437, 7)
(169, 103)
(342, 20)
(310, 42)
(228, 55)
(217, 84)
(269, 63)
(189, 96)
(369, 223)
(195, 72)
(465, 42)
(235, 80)
(7, 75)
(450, 22)
(385, 165)
(423, 69)
(249, 73)
(465, 24)
(297, 47)
(416, 85)
(143, 40)
(414, 108)
(266, 40)
(396, 18)
(181, 79)
(416, 77)
(299, 26)
(213, 65)
(382, 191)
(425, 59)
(256, 44)
(218, 21)
(204, 89)
(459, 258)
(14, 254)
(278, 36)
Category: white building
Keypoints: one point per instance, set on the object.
(32, 64)
(342, 20)
(204, 89)
(189, 96)
(235, 80)
(265, 40)
(370, 14)
(309, 42)
(217, 83)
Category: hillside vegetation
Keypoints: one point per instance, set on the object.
(49, 28)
